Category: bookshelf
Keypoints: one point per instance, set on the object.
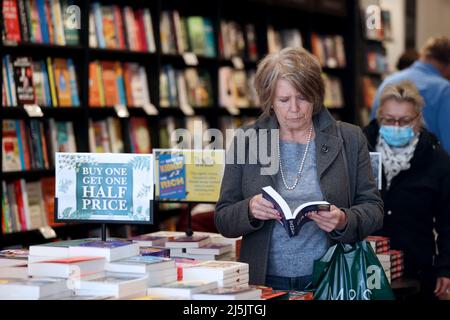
(371, 65)
(324, 17)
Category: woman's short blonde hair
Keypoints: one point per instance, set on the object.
(296, 65)
(405, 91)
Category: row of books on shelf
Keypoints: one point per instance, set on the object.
(181, 34)
(370, 86)
(391, 260)
(39, 21)
(113, 27)
(329, 49)
(236, 40)
(236, 88)
(376, 62)
(185, 87)
(105, 135)
(112, 83)
(334, 96)
(278, 39)
(27, 205)
(50, 82)
(28, 145)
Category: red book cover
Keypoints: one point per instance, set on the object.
(109, 83)
(44, 146)
(139, 18)
(127, 80)
(11, 20)
(20, 205)
(48, 192)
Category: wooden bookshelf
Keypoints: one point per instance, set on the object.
(308, 16)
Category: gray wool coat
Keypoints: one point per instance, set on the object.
(243, 181)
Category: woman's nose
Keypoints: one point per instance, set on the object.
(294, 107)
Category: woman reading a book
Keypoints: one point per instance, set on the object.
(316, 159)
(415, 188)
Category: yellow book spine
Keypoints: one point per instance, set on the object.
(51, 80)
(100, 85)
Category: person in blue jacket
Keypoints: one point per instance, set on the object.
(430, 74)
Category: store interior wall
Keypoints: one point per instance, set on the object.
(433, 19)
(396, 46)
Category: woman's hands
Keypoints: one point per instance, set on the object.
(335, 219)
(442, 287)
(263, 209)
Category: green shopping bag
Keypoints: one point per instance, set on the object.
(350, 272)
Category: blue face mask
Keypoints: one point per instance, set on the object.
(397, 136)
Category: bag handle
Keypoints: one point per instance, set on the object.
(338, 124)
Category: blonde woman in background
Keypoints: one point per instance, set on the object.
(416, 187)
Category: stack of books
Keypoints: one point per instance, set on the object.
(236, 40)
(14, 264)
(158, 270)
(232, 293)
(225, 273)
(329, 49)
(33, 289)
(184, 288)
(391, 260)
(105, 136)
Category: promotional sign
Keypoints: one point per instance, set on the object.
(104, 187)
(188, 175)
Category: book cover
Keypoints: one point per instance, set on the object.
(11, 21)
(109, 32)
(197, 35)
(10, 147)
(293, 221)
(140, 135)
(109, 83)
(23, 79)
(71, 34)
(105, 244)
(23, 20)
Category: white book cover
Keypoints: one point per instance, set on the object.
(140, 264)
(31, 288)
(233, 293)
(58, 249)
(67, 267)
(184, 288)
(117, 285)
(110, 250)
(215, 270)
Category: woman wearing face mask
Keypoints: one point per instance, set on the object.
(416, 188)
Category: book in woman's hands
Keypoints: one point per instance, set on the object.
(293, 221)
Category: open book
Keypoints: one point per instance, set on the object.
(293, 221)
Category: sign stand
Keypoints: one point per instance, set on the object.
(189, 231)
(104, 232)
